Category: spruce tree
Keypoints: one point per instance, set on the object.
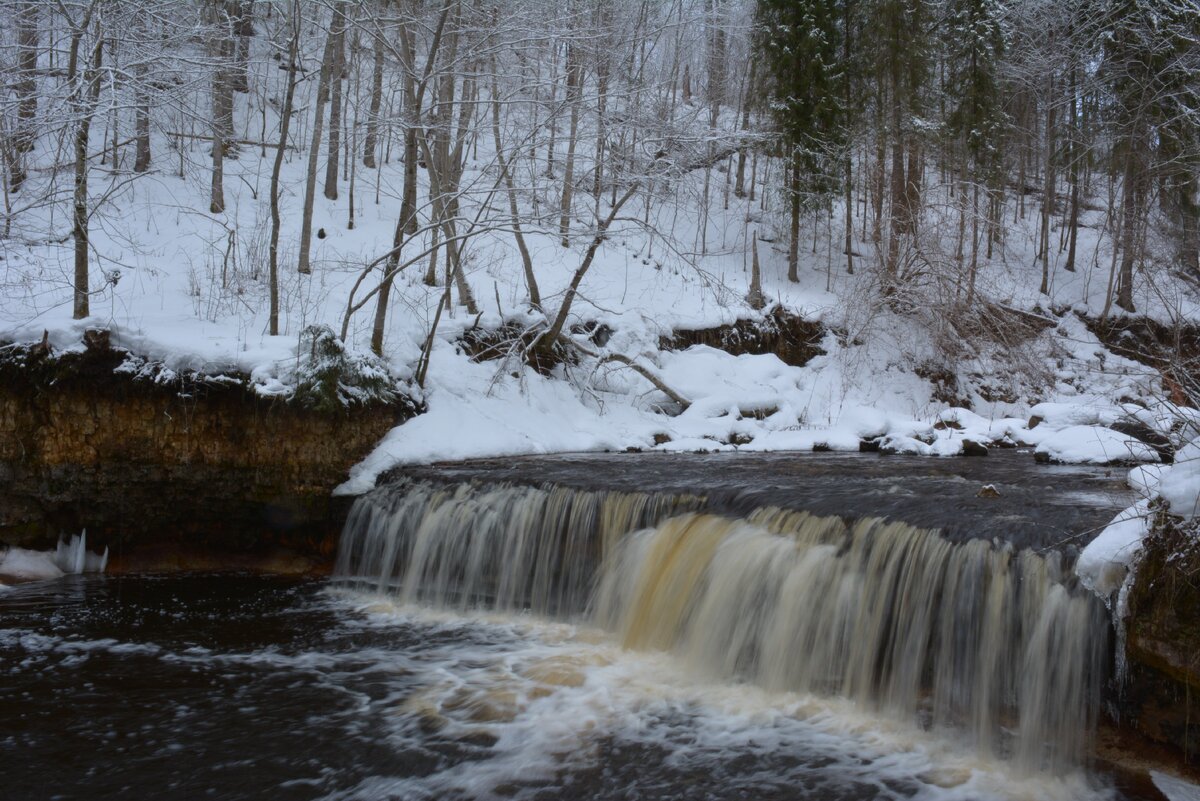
(800, 45)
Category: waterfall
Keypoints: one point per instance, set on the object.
(991, 645)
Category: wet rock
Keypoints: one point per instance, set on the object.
(973, 448)
(988, 491)
(868, 445)
(1144, 433)
(793, 339)
(1161, 697)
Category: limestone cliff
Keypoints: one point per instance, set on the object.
(164, 466)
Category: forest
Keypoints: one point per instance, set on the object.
(956, 193)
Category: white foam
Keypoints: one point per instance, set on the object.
(1175, 789)
(558, 699)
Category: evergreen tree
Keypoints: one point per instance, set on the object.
(800, 42)
(801, 46)
(976, 119)
(1149, 69)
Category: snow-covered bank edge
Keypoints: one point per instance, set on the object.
(314, 370)
(1164, 489)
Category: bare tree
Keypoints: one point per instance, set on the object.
(336, 67)
(285, 118)
(84, 80)
(27, 64)
(303, 265)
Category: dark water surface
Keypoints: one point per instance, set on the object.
(1039, 506)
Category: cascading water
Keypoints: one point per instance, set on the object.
(973, 638)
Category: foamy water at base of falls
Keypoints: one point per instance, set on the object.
(252, 687)
(564, 711)
(919, 666)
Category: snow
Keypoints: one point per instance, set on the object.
(1093, 444)
(1104, 563)
(1144, 479)
(1062, 415)
(24, 565)
(1179, 486)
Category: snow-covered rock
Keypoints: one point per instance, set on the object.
(1179, 486)
(1060, 415)
(1092, 444)
(1144, 479)
(901, 444)
(1105, 561)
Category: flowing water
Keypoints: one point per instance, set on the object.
(515, 641)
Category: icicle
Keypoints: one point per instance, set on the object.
(73, 557)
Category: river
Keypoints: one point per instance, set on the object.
(635, 640)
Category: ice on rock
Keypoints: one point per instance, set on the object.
(73, 557)
(67, 558)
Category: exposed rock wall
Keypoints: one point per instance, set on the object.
(205, 466)
(1161, 697)
(793, 339)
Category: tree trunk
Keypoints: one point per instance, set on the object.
(603, 22)
(86, 93)
(303, 264)
(1074, 149)
(372, 135)
(243, 29)
(793, 173)
(1131, 216)
(26, 83)
(285, 119)
(848, 199)
(739, 185)
(755, 297)
(1047, 192)
(899, 215)
(406, 227)
(974, 270)
(545, 343)
(336, 69)
(141, 101)
(221, 48)
(535, 297)
(574, 84)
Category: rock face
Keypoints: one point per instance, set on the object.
(1161, 697)
(204, 466)
(793, 339)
